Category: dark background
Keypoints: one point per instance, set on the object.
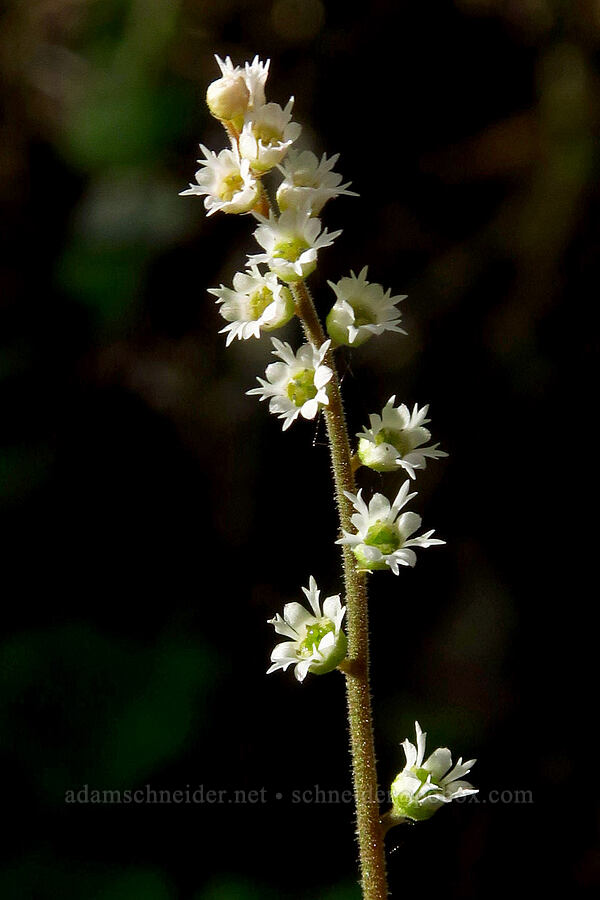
(154, 516)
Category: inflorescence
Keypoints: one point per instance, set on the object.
(262, 138)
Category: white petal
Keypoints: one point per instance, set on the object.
(379, 507)
(403, 497)
(284, 651)
(282, 627)
(322, 376)
(459, 789)
(297, 616)
(312, 595)
(411, 753)
(302, 668)
(331, 607)
(327, 642)
(461, 768)
(438, 763)
(279, 665)
(403, 557)
(310, 408)
(408, 523)
(421, 737)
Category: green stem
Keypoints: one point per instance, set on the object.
(362, 747)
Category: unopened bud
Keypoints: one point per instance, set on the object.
(228, 97)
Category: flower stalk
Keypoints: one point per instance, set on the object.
(356, 670)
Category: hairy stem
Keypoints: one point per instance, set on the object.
(362, 747)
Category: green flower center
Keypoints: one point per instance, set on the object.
(230, 185)
(290, 250)
(362, 314)
(302, 387)
(259, 301)
(421, 773)
(398, 439)
(304, 179)
(384, 536)
(314, 634)
(268, 134)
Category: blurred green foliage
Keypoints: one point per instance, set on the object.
(120, 709)
(126, 111)
(237, 889)
(120, 122)
(39, 878)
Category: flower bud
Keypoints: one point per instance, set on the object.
(228, 97)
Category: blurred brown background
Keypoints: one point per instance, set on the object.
(154, 516)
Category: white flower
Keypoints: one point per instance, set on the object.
(296, 386)
(291, 243)
(238, 90)
(394, 439)
(382, 538)
(422, 787)
(316, 642)
(310, 182)
(361, 310)
(227, 181)
(257, 303)
(267, 134)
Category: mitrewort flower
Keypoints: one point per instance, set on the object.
(291, 243)
(258, 302)
(238, 90)
(361, 310)
(267, 134)
(227, 181)
(422, 787)
(310, 182)
(383, 539)
(297, 385)
(316, 642)
(394, 439)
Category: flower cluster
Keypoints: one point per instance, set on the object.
(261, 134)
(302, 383)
